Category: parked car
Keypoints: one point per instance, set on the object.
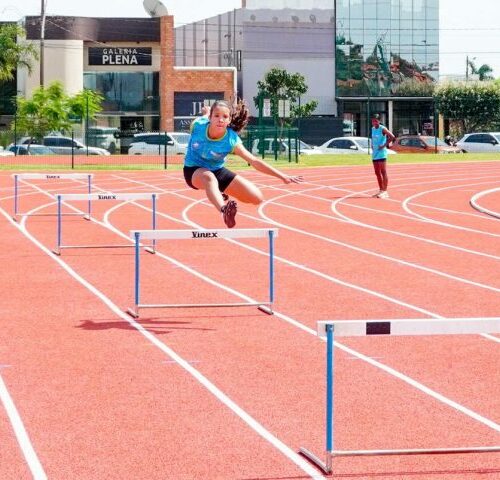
(64, 145)
(154, 143)
(32, 149)
(5, 153)
(480, 142)
(422, 144)
(104, 137)
(282, 147)
(348, 145)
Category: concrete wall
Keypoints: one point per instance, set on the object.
(63, 62)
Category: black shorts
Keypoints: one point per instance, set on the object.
(375, 160)
(223, 175)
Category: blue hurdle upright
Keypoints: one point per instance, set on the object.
(330, 329)
(154, 235)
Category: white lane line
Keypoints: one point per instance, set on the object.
(474, 204)
(389, 370)
(221, 396)
(407, 208)
(371, 252)
(402, 234)
(373, 362)
(320, 237)
(22, 436)
(303, 327)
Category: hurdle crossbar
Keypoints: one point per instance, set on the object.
(347, 328)
(154, 235)
(105, 196)
(47, 176)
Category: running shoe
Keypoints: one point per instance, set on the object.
(229, 212)
(383, 194)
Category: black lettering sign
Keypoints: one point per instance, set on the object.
(53, 176)
(189, 104)
(106, 197)
(125, 56)
(204, 234)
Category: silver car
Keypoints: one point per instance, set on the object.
(154, 143)
(64, 145)
(349, 145)
(480, 142)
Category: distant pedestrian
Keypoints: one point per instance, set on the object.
(381, 141)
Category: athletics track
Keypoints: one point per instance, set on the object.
(86, 392)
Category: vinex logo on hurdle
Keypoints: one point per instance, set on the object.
(205, 234)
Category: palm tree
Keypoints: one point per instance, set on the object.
(483, 72)
(12, 53)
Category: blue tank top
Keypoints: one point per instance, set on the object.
(378, 139)
(205, 152)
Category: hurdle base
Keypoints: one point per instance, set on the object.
(266, 309)
(150, 250)
(132, 312)
(325, 467)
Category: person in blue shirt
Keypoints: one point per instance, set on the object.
(381, 141)
(213, 136)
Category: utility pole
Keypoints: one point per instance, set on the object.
(42, 42)
(467, 68)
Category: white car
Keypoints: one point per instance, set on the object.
(64, 145)
(104, 137)
(5, 153)
(282, 147)
(32, 149)
(480, 142)
(154, 143)
(348, 145)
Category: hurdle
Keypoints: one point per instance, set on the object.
(138, 235)
(48, 176)
(345, 328)
(105, 196)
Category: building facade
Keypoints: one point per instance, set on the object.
(357, 56)
(387, 60)
(131, 62)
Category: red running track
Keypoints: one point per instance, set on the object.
(233, 393)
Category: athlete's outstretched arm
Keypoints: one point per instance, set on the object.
(264, 167)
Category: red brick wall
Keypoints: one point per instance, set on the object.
(195, 80)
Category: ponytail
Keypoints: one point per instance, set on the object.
(239, 114)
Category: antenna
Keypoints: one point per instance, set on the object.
(155, 8)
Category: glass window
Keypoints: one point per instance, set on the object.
(135, 91)
(393, 43)
(50, 141)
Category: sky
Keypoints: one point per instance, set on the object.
(467, 28)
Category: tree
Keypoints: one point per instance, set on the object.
(51, 109)
(483, 72)
(474, 105)
(14, 54)
(277, 85)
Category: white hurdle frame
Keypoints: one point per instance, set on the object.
(154, 235)
(47, 176)
(420, 326)
(104, 196)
